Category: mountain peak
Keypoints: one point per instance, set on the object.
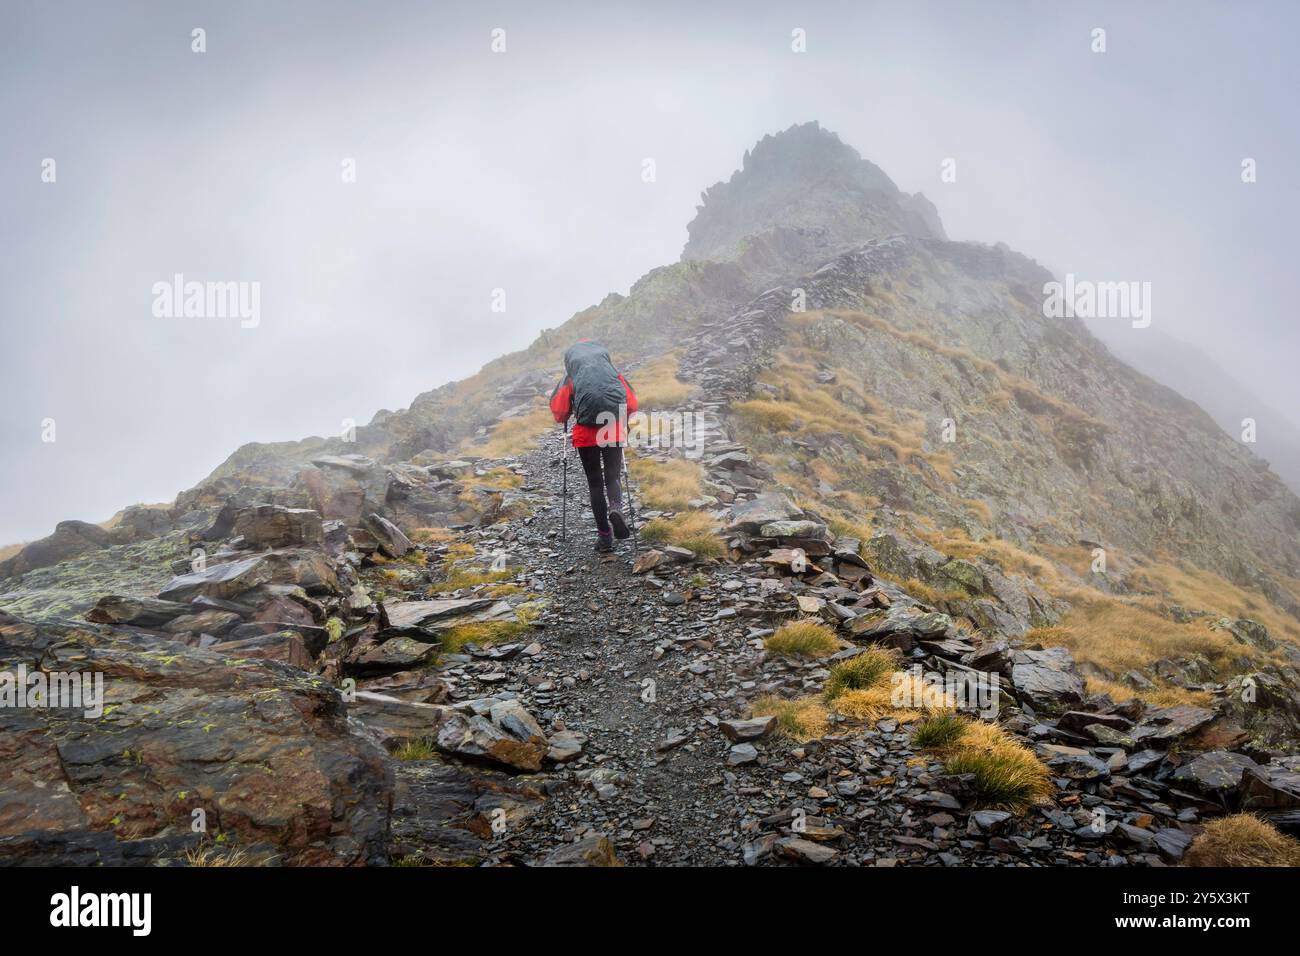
(805, 179)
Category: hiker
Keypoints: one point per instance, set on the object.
(599, 398)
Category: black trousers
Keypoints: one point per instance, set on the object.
(603, 468)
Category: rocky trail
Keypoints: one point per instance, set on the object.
(643, 683)
(319, 688)
(374, 649)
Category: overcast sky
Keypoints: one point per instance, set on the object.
(522, 170)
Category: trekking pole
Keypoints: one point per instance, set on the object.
(564, 494)
(631, 508)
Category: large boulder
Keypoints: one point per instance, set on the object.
(1218, 772)
(1244, 631)
(275, 526)
(1272, 786)
(389, 538)
(1267, 706)
(749, 516)
(1047, 680)
(140, 612)
(1164, 725)
(310, 570)
(262, 749)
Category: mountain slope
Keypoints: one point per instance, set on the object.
(1190, 372)
(1054, 440)
(907, 475)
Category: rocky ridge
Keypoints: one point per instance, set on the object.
(287, 655)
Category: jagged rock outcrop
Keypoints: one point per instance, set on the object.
(799, 198)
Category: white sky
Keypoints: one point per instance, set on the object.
(522, 171)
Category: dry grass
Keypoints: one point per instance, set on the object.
(514, 436)
(419, 749)
(800, 720)
(210, 855)
(939, 732)
(431, 535)
(499, 477)
(930, 595)
(1205, 590)
(1007, 774)
(483, 633)
(956, 543)
(872, 703)
(1162, 696)
(666, 485)
(868, 669)
(905, 696)
(845, 527)
(456, 574)
(695, 531)
(1242, 840)
(766, 414)
(858, 433)
(657, 385)
(802, 639)
(1119, 635)
(816, 412)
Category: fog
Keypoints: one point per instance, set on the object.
(521, 171)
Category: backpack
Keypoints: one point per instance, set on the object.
(597, 390)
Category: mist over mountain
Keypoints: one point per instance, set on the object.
(903, 566)
(536, 188)
(1191, 372)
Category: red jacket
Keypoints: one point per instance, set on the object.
(585, 436)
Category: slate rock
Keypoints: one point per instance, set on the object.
(1216, 772)
(752, 729)
(1047, 679)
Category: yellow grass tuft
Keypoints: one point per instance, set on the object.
(1119, 635)
(802, 639)
(803, 719)
(666, 485)
(1008, 776)
(457, 575)
(903, 695)
(431, 535)
(872, 703)
(1162, 696)
(1242, 840)
(861, 672)
(418, 749)
(695, 531)
(453, 639)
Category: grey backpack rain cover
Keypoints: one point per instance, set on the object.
(596, 386)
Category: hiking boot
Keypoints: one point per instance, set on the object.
(620, 526)
(604, 542)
